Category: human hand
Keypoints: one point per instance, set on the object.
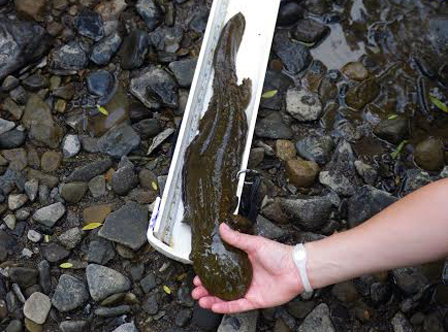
(275, 279)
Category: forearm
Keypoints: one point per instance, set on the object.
(411, 231)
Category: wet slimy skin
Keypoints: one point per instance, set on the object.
(212, 162)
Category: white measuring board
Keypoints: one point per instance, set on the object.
(166, 232)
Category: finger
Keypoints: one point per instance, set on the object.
(232, 307)
(197, 281)
(239, 240)
(199, 292)
(208, 301)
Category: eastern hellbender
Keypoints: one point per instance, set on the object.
(212, 162)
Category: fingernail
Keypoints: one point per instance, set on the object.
(225, 226)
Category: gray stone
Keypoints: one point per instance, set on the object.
(415, 179)
(308, 213)
(89, 24)
(151, 306)
(104, 50)
(113, 311)
(433, 323)
(14, 326)
(242, 322)
(54, 253)
(367, 202)
(69, 58)
(90, 144)
(410, 279)
(294, 55)
(148, 283)
(400, 323)
(74, 192)
(316, 148)
(16, 201)
(150, 12)
(429, 154)
(97, 186)
(74, 326)
(318, 320)
(183, 70)
(159, 139)
(127, 226)
(20, 43)
(104, 281)
(100, 252)
(70, 293)
(15, 110)
(310, 31)
(10, 221)
(12, 139)
(24, 277)
(44, 276)
(273, 127)
(6, 126)
(167, 39)
(148, 128)
(10, 82)
(303, 105)
(89, 171)
(34, 236)
(37, 307)
(367, 172)
(289, 13)
(128, 327)
(267, 229)
(393, 130)
(300, 309)
(70, 238)
(23, 214)
(71, 146)
(134, 49)
(119, 141)
(49, 215)
(379, 292)
(36, 82)
(10, 180)
(338, 182)
(124, 179)
(155, 88)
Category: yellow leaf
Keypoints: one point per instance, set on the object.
(66, 265)
(102, 110)
(154, 186)
(441, 106)
(392, 117)
(47, 238)
(91, 226)
(269, 94)
(167, 289)
(181, 276)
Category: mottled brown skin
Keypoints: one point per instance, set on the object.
(212, 162)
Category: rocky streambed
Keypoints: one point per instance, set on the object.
(92, 93)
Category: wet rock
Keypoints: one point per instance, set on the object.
(19, 95)
(275, 80)
(74, 192)
(318, 320)
(310, 31)
(300, 309)
(16, 201)
(338, 182)
(6, 126)
(69, 58)
(183, 70)
(415, 179)
(70, 293)
(393, 130)
(24, 277)
(134, 49)
(17, 158)
(150, 12)
(73, 326)
(11, 179)
(15, 110)
(167, 39)
(147, 178)
(154, 87)
(49, 215)
(308, 213)
(110, 12)
(90, 144)
(70, 238)
(105, 49)
(119, 141)
(9, 83)
(21, 43)
(148, 283)
(345, 292)
(40, 123)
(429, 154)
(71, 146)
(159, 139)
(36, 82)
(124, 179)
(97, 186)
(37, 307)
(379, 292)
(128, 327)
(65, 92)
(267, 229)
(89, 24)
(112, 311)
(34, 236)
(54, 252)
(256, 157)
(102, 84)
(205, 319)
(183, 317)
(367, 202)
(355, 71)
(246, 321)
(289, 13)
(400, 323)
(12, 139)
(148, 128)
(294, 56)
(301, 173)
(303, 105)
(50, 161)
(364, 93)
(285, 150)
(410, 279)
(127, 226)
(104, 281)
(89, 171)
(273, 127)
(367, 172)
(100, 252)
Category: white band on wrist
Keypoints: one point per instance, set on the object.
(300, 258)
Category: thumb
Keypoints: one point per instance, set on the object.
(239, 240)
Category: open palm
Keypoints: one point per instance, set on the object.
(275, 280)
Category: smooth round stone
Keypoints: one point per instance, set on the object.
(150, 12)
(429, 154)
(36, 82)
(71, 146)
(89, 24)
(289, 13)
(355, 71)
(100, 83)
(74, 192)
(134, 49)
(103, 51)
(34, 236)
(37, 308)
(310, 31)
(50, 161)
(302, 173)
